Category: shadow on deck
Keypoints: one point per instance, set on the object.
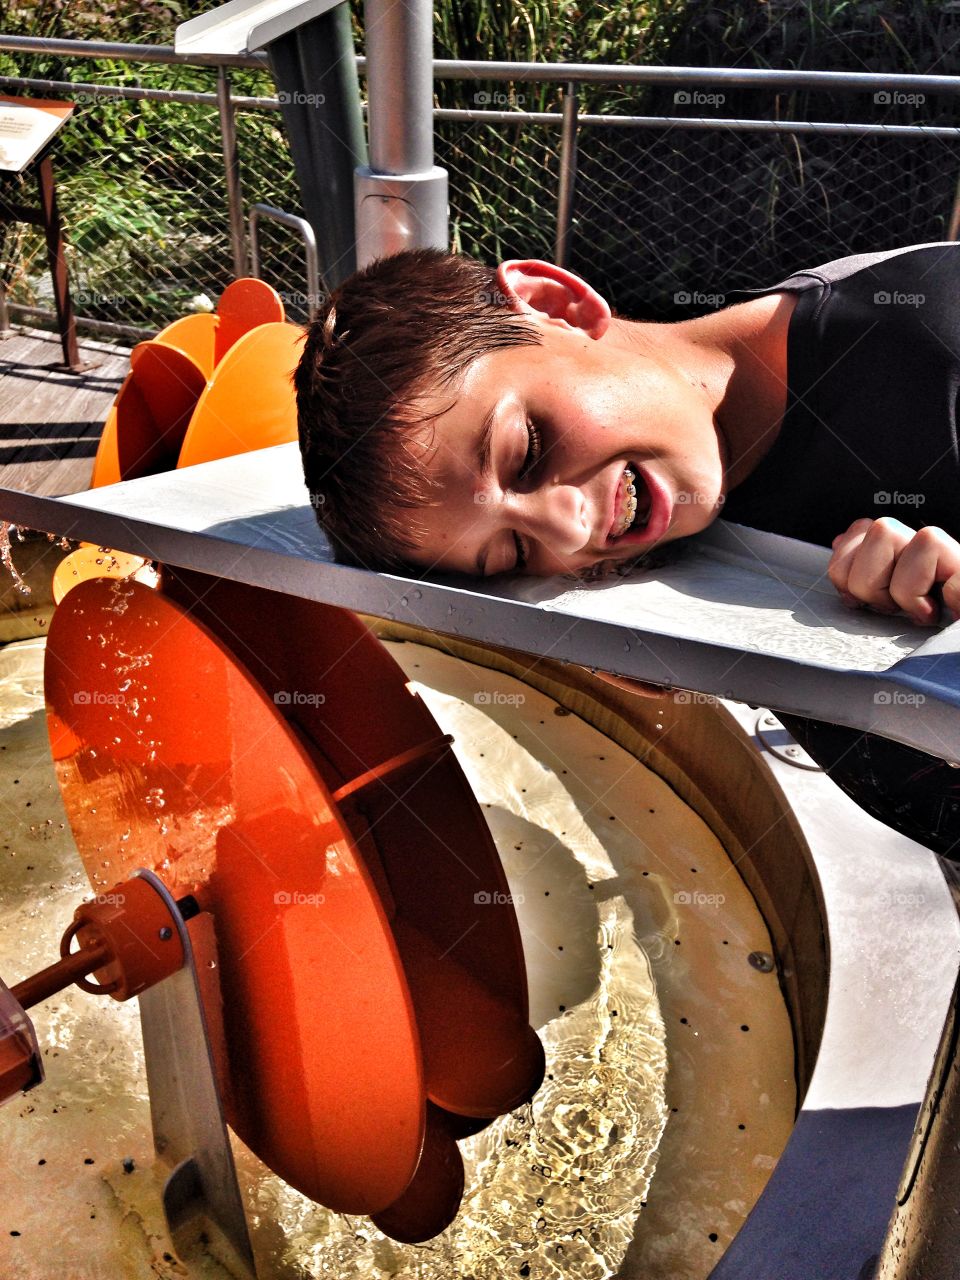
(50, 425)
(50, 419)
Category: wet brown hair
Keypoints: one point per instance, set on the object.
(383, 345)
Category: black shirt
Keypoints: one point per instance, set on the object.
(870, 429)
(873, 371)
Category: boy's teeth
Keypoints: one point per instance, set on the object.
(630, 503)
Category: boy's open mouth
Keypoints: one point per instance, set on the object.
(633, 503)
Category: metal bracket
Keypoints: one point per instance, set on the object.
(201, 1198)
(775, 738)
(301, 225)
(399, 211)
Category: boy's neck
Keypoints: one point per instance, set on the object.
(737, 359)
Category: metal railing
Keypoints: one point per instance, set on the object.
(666, 209)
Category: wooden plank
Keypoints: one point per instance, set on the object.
(51, 419)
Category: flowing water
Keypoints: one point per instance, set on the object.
(669, 1087)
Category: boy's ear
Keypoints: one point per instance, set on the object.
(548, 290)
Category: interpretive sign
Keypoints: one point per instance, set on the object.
(26, 126)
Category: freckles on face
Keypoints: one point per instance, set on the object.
(454, 529)
(591, 409)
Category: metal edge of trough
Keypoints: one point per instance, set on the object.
(867, 941)
(893, 937)
(204, 505)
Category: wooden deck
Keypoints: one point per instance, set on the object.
(50, 419)
(50, 423)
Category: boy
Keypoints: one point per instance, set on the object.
(456, 418)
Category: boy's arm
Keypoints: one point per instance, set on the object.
(889, 566)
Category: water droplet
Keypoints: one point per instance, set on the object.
(6, 555)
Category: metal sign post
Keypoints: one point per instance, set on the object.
(310, 46)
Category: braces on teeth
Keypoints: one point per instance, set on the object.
(626, 520)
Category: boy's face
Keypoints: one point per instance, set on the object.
(594, 407)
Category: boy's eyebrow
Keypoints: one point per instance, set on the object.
(484, 451)
(484, 442)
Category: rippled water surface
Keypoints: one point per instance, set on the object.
(659, 1118)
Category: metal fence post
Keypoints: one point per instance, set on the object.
(231, 164)
(568, 171)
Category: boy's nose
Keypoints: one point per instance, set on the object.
(557, 516)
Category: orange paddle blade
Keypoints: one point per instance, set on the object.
(249, 402)
(243, 306)
(169, 755)
(418, 826)
(148, 420)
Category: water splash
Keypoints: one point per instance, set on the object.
(6, 555)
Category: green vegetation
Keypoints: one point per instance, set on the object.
(658, 213)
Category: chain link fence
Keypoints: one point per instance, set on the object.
(666, 220)
(675, 219)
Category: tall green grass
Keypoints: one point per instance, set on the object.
(141, 184)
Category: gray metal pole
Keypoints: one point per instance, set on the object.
(401, 196)
(316, 73)
(923, 1239)
(231, 164)
(568, 172)
(399, 86)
